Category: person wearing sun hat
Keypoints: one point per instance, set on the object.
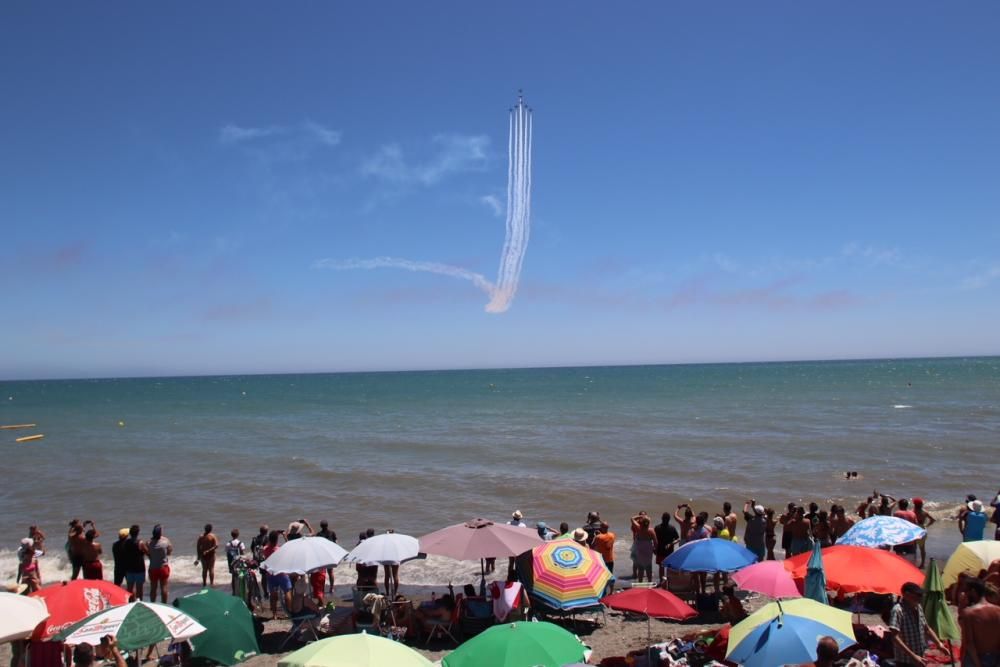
(973, 522)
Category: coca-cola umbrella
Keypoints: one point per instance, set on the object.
(73, 601)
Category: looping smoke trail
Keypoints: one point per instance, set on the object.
(518, 226)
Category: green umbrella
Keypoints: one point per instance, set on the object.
(516, 645)
(229, 637)
(362, 650)
(935, 608)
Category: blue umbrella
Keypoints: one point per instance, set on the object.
(881, 531)
(710, 555)
(786, 633)
(815, 588)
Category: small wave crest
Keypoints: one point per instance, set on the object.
(901, 406)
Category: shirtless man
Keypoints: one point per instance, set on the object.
(979, 622)
(840, 523)
(205, 549)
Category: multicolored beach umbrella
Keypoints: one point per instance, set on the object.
(785, 633)
(134, 625)
(564, 574)
(881, 531)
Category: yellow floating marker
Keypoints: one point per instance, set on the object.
(29, 438)
(12, 426)
(121, 422)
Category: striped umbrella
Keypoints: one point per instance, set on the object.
(134, 625)
(565, 574)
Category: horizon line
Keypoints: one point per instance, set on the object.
(506, 368)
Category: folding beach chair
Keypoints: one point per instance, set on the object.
(440, 627)
(475, 616)
(302, 621)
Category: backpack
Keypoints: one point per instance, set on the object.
(234, 549)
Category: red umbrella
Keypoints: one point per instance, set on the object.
(860, 569)
(74, 601)
(653, 602)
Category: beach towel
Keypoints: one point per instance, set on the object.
(506, 598)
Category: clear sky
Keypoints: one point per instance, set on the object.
(711, 182)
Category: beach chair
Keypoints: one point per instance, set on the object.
(440, 627)
(475, 616)
(366, 617)
(682, 584)
(302, 621)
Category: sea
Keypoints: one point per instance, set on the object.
(418, 451)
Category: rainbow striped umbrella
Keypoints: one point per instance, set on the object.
(565, 574)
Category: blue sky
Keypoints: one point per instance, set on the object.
(710, 183)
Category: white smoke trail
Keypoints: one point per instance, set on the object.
(476, 279)
(518, 226)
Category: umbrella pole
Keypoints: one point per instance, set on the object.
(649, 628)
(482, 577)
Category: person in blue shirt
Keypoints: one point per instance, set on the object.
(973, 522)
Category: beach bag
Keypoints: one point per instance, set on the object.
(234, 549)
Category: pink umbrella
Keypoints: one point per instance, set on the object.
(768, 577)
(479, 539)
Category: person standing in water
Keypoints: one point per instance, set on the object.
(159, 549)
(205, 548)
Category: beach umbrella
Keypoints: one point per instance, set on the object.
(362, 650)
(936, 607)
(815, 586)
(479, 539)
(710, 555)
(73, 601)
(881, 531)
(786, 633)
(517, 645)
(768, 577)
(385, 549)
(564, 574)
(650, 602)
(229, 636)
(304, 555)
(135, 625)
(19, 616)
(859, 570)
(970, 557)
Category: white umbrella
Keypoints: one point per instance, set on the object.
(386, 549)
(304, 555)
(19, 615)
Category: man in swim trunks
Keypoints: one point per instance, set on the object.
(979, 622)
(134, 552)
(205, 549)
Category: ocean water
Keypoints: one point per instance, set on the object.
(417, 451)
